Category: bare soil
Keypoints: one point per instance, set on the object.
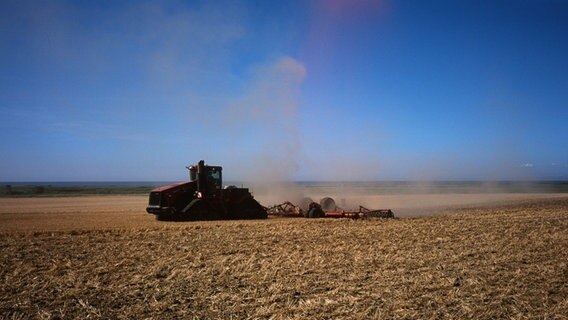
(74, 213)
(129, 211)
(104, 257)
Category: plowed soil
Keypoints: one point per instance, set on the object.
(104, 257)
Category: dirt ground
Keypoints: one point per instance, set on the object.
(127, 212)
(104, 257)
(74, 213)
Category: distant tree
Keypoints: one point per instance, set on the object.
(9, 189)
(39, 189)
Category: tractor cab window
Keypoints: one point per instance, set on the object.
(214, 178)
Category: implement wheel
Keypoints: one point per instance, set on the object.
(328, 204)
(304, 203)
(315, 211)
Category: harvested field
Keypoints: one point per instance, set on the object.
(128, 211)
(74, 213)
(492, 261)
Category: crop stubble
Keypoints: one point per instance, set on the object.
(510, 261)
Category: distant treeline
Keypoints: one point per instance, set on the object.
(33, 190)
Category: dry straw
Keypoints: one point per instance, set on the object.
(506, 262)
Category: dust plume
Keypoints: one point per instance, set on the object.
(264, 122)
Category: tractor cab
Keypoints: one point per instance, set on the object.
(209, 178)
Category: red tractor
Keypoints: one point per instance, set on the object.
(204, 198)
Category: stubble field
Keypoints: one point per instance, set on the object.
(103, 257)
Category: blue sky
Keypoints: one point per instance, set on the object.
(298, 90)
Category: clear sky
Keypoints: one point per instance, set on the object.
(298, 90)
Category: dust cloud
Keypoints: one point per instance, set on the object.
(267, 115)
(265, 147)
